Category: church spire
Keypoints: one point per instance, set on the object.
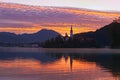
(71, 32)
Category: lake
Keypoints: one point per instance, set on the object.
(59, 64)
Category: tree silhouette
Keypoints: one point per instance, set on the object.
(115, 35)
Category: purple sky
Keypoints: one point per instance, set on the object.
(112, 5)
(30, 19)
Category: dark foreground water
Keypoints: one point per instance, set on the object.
(59, 64)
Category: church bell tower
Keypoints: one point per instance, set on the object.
(71, 32)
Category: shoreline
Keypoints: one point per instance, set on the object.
(59, 50)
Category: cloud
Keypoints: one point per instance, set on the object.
(33, 18)
(4, 23)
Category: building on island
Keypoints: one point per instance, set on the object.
(66, 37)
(71, 32)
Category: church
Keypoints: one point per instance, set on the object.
(66, 37)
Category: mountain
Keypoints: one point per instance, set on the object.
(105, 36)
(42, 35)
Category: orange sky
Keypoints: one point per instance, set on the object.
(30, 19)
(62, 30)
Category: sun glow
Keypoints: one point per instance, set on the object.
(31, 19)
(61, 30)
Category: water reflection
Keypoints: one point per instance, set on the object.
(106, 61)
(58, 66)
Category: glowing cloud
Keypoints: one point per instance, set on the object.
(30, 19)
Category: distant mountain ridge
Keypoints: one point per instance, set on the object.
(105, 35)
(40, 36)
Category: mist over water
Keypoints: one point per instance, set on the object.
(59, 64)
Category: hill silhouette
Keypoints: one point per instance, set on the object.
(105, 36)
(40, 36)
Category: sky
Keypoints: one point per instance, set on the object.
(19, 19)
(109, 5)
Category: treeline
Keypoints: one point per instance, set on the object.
(60, 42)
(35, 44)
(115, 35)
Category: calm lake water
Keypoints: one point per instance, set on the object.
(59, 64)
